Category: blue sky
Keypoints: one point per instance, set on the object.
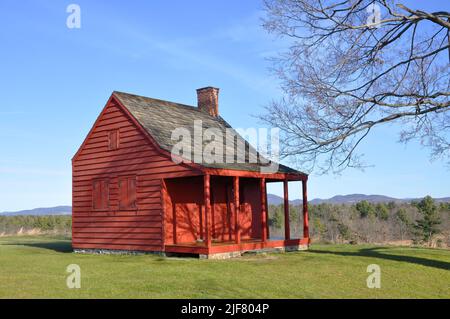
(54, 82)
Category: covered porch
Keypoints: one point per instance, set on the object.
(226, 213)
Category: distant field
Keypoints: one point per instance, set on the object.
(34, 267)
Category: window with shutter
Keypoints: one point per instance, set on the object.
(127, 192)
(113, 140)
(100, 194)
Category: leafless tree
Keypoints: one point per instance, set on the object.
(353, 65)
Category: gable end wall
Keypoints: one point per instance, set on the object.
(140, 229)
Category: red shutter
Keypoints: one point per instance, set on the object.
(122, 193)
(104, 194)
(113, 140)
(110, 141)
(95, 193)
(100, 194)
(127, 192)
(132, 192)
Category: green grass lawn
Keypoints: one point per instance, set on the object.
(35, 267)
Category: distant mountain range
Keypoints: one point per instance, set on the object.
(350, 199)
(271, 198)
(58, 210)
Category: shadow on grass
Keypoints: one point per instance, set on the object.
(57, 246)
(374, 253)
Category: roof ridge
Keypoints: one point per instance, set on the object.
(191, 107)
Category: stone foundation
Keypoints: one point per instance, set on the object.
(117, 252)
(218, 256)
(234, 254)
(296, 248)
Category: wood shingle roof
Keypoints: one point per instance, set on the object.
(160, 118)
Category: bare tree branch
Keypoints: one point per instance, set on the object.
(353, 65)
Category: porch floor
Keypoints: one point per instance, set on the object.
(218, 247)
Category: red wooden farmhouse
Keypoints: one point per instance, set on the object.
(129, 194)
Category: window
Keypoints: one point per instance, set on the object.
(113, 140)
(127, 192)
(100, 194)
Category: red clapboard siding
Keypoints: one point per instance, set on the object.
(126, 241)
(156, 162)
(83, 212)
(115, 230)
(140, 227)
(153, 223)
(130, 153)
(135, 158)
(182, 172)
(150, 236)
(154, 167)
(147, 247)
(113, 219)
(104, 152)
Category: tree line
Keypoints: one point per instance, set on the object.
(421, 223)
(51, 224)
(424, 222)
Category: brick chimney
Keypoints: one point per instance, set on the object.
(208, 100)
